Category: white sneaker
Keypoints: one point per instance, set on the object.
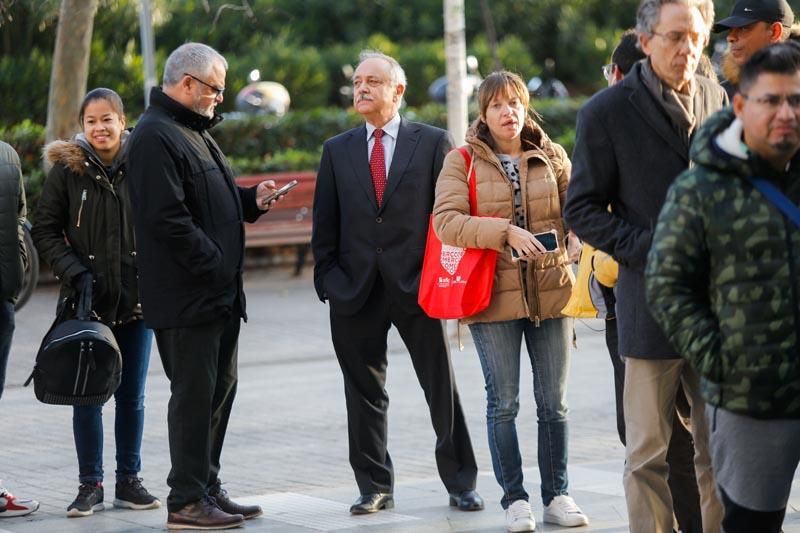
(519, 517)
(11, 506)
(564, 512)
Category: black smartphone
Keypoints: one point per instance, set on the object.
(280, 192)
(548, 240)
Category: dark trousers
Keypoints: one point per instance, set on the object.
(6, 334)
(200, 362)
(739, 519)
(360, 344)
(680, 454)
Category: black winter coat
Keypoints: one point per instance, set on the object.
(188, 215)
(627, 154)
(12, 212)
(89, 205)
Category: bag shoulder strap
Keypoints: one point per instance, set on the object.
(473, 186)
(777, 198)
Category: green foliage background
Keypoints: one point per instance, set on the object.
(304, 44)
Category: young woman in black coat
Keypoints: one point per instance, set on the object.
(84, 232)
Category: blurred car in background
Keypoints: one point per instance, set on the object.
(263, 97)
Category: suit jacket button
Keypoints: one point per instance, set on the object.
(379, 250)
(379, 220)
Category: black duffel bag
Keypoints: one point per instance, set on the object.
(79, 362)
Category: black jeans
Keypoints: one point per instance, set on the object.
(740, 519)
(200, 362)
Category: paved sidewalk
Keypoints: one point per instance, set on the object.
(286, 447)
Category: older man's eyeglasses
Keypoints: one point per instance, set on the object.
(775, 101)
(676, 38)
(608, 71)
(217, 90)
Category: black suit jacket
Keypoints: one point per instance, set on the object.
(626, 155)
(353, 239)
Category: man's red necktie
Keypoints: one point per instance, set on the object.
(377, 166)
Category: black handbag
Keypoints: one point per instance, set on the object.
(79, 362)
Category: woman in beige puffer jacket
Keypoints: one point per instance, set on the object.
(522, 181)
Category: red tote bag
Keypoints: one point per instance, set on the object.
(456, 282)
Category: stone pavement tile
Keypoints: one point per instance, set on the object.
(288, 432)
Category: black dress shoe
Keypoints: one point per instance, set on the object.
(372, 503)
(467, 500)
(220, 497)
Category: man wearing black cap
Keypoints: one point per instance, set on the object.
(753, 24)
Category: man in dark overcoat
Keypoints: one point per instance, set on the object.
(632, 141)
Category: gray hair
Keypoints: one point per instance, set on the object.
(395, 70)
(650, 10)
(191, 58)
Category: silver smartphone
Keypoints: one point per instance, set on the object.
(280, 192)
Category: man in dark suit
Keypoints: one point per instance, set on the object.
(632, 140)
(373, 197)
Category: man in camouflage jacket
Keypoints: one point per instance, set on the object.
(723, 279)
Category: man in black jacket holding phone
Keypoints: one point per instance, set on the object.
(188, 215)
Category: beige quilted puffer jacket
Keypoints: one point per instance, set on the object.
(546, 288)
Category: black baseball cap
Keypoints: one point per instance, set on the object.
(746, 12)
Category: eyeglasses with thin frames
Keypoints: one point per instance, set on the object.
(775, 101)
(217, 91)
(676, 38)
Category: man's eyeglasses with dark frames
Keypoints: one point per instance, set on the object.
(775, 101)
(218, 92)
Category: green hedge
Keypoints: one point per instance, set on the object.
(254, 137)
(256, 143)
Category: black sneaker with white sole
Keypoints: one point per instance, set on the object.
(130, 494)
(89, 500)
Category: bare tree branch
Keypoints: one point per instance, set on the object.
(244, 7)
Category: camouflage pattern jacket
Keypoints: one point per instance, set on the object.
(723, 275)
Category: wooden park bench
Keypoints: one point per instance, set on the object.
(288, 223)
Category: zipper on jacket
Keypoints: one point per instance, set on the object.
(78, 373)
(80, 209)
(535, 293)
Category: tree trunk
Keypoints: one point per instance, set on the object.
(455, 51)
(70, 67)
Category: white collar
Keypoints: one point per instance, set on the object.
(391, 128)
(730, 140)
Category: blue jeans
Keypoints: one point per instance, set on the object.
(498, 345)
(87, 421)
(6, 333)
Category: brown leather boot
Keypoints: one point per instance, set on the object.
(222, 500)
(203, 514)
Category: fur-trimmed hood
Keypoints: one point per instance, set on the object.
(729, 69)
(76, 153)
